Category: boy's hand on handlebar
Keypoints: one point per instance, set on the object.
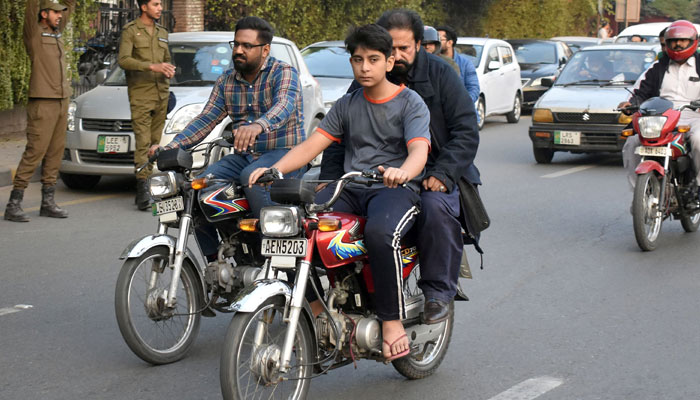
(255, 175)
(393, 177)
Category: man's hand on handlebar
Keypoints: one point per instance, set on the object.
(156, 148)
(393, 177)
(626, 108)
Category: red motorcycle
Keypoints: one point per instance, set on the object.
(666, 186)
(274, 344)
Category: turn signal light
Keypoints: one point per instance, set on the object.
(627, 132)
(542, 115)
(683, 128)
(624, 119)
(249, 225)
(545, 135)
(200, 183)
(329, 224)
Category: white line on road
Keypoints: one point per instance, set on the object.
(529, 389)
(17, 308)
(569, 171)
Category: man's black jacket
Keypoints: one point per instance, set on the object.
(453, 128)
(650, 86)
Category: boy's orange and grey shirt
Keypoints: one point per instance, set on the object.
(50, 77)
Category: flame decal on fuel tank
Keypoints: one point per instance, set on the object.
(225, 206)
(680, 146)
(344, 250)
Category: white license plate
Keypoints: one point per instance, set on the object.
(653, 151)
(112, 144)
(166, 206)
(283, 247)
(567, 137)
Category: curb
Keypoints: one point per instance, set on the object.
(8, 174)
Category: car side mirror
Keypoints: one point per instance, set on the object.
(547, 82)
(494, 65)
(101, 76)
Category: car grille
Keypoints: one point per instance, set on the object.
(107, 125)
(590, 119)
(598, 139)
(91, 156)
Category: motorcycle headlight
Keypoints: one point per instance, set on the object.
(279, 221)
(163, 184)
(182, 117)
(650, 127)
(71, 116)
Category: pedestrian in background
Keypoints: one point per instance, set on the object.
(470, 80)
(145, 57)
(431, 43)
(47, 109)
(604, 31)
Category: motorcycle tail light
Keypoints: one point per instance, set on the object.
(650, 127)
(279, 221)
(163, 184)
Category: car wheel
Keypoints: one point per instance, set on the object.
(514, 116)
(542, 155)
(80, 182)
(481, 111)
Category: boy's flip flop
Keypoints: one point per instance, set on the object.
(395, 356)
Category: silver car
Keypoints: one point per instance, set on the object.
(329, 63)
(102, 114)
(577, 114)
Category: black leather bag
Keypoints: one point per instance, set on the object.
(474, 215)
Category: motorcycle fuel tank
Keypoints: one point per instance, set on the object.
(222, 201)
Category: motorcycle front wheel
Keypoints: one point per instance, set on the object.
(646, 217)
(154, 332)
(249, 362)
(691, 223)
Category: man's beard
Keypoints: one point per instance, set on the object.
(244, 66)
(401, 68)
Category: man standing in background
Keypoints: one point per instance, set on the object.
(47, 109)
(448, 40)
(145, 57)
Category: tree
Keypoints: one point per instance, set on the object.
(540, 18)
(673, 9)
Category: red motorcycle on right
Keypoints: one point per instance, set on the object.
(665, 186)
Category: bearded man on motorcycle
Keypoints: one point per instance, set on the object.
(676, 77)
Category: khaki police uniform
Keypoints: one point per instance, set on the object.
(49, 95)
(148, 90)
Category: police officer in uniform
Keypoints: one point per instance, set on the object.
(47, 109)
(144, 55)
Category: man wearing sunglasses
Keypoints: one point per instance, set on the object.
(262, 96)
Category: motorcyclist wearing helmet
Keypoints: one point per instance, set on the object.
(431, 42)
(676, 78)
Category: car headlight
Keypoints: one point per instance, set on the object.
(279, 221)
(650, 127)
(538, 81)
(163, 184)
(71, 116)
(182, 117)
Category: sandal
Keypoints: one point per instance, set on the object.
(395, 356)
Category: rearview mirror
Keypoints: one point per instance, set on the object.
(101, 76)
(493, 65)
(547, 82)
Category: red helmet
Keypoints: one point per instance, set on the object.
(681, 29)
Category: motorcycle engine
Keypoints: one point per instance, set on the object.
(362, 333)
(228, 277)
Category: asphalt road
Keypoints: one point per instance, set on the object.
(566, 307)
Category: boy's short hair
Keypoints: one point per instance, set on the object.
(450, 34)
(265, 31)
(372, 37)
(402, 18)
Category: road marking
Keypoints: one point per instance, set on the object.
(17, 308)
(81, 201)
(569, 171)
(529, 389)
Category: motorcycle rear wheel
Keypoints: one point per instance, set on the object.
(412, 368)
(154, 333)
(645, 205)
(691, 224)
(249, 372)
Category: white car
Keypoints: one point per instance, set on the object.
(103, 115)
(649, 31)
(499, 77)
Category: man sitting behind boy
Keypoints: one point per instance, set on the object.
(385, 127)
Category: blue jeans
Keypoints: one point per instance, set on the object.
(238, 167)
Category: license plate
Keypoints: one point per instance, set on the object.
(653, 151)
(112, 144)
(166, 206)
(283, 247)
(567, 137)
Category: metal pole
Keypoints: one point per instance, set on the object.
(626, 13)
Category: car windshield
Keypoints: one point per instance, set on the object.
(628, 39)
(472, 51)
(328, 62)
(596, 67)
(535, 53)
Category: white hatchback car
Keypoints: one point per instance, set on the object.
(103, 113)
(499, 77)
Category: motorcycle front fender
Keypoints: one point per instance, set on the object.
(251, 297)
(649, 166)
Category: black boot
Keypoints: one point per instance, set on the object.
(49, 208)
(13, 211)
(143, 197)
